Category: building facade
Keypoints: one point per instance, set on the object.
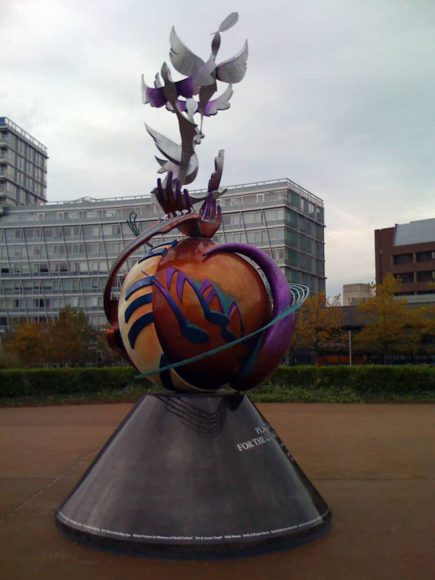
(407, 251)
(59, 254)
(353, 294)
(23, 167)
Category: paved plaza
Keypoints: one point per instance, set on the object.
(374, 465)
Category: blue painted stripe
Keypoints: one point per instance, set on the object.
(138, 326)
(159, 250)
(143, 283)
(172, 243)
(154, 253)
(141, 301)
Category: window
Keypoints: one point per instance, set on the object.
(232, 219)
(291, 218)
(91, 231)
(406, 277)
(305, 244)
(274, 215)
(294, 199)
(291, 238)
(426, 276)
(257, 237)
(252, 218)
(402, 259)
(425, 256)
(51, 233)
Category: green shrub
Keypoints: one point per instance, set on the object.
(298, 376)
(36, 382)
(299, 383)
(360, 379)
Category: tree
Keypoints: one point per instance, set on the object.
(107, 355)
(318, 322)
(391, 325)
(27, 345)
(72, 339)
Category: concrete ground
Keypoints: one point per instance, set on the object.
(374, 465)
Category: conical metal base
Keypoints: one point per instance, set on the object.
(188, 476)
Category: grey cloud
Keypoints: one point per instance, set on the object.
(339, 97)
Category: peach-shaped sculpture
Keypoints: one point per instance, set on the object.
(177, 303)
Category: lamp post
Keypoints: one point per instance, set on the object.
(350, 346)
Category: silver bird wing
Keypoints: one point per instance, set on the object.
(234, 69)
(168, 148)
(182, 58)
(191, 172)
(229, 21)
(221, 103)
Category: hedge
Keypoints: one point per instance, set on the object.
(35, 382)
(382, 380)
(361, 378)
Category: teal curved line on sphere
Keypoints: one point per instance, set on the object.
(302, 294)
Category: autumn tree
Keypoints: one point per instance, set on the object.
(318, 322)
(108, 356)
(72, 339)
(391, 326)
(26, 345)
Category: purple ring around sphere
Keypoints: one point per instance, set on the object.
(276, 340)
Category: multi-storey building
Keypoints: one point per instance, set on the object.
(407, 251)
(353, 294)
(60, 254)
(23, 166)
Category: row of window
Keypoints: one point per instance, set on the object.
(417, 257)
(295, 200)
(271, 217)
(410, 277)
(281, 255)
(62, 250)
(315, 284)
(17, 163)
(55, 268)
(21, 179)
(43, 286)
(20, 195)
(151, 212)
(97, 231)
(57, 233)
(84, 302)
(22, 148)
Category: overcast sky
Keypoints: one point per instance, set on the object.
(339, 97)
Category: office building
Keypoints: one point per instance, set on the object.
(407, 251)
(23, 167)
(60, 254)
(353, 294)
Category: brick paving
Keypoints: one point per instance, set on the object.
(374, 465)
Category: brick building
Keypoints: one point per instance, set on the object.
(407, 251)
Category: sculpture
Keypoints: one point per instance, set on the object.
(176, 304)
(196, 471)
